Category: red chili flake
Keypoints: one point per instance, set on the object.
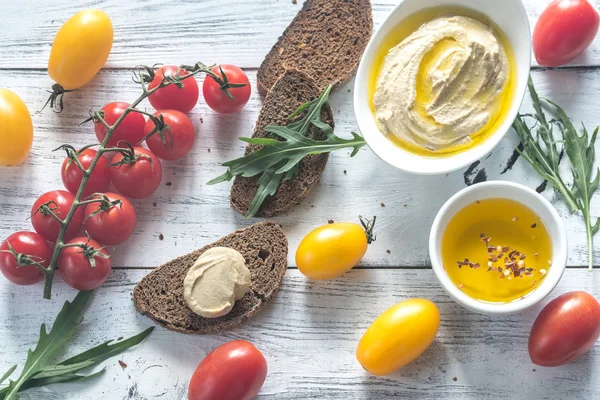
(382, 205)
(523, 256)
(476, 266)
(455, 379)
(505, 249)
(168, 183)
(155, 204)
(330, 221)
(122, 364)
(482, 235)
(533, 226)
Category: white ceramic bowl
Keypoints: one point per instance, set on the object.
(524, 195)
(510, 16)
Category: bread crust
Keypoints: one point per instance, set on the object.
(326, 40)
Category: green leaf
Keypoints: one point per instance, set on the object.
(278, 159)
(8, 373)
(541, 151)
(50, 342)
(106, 350)
(65, 378)
(267, 186)
(56, 370)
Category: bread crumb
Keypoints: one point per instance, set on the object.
(161, 237)
(168, 183)
(122, 364)
(330, 221)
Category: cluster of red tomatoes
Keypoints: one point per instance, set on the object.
(135, 173)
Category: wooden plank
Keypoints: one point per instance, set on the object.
(190, 214)
(309, 335)
(151, 31)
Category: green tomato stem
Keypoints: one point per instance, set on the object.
(60, 245)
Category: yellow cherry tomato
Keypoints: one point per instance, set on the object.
(80, 48)
(16, 129)
(398, 336)
(332, 250)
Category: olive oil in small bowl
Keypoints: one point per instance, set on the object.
(498, 247)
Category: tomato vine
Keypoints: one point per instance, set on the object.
(143, 76)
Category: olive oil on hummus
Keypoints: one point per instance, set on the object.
(442, 81)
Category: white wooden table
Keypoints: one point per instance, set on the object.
(310, 331)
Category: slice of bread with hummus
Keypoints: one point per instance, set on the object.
(262, 246)
(326, 41)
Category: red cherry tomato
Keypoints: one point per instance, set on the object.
(33, 246)
(139, 179)
(181, 132)
(75, 266)
(112, 225)
(59, 201)
(217, 99)
(171, 97)
(131, 129)
(234, 371)
(565, 329)
(98, 182)
(563, 31)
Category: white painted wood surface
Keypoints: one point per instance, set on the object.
(310, 331)
(309, 335)
(171, 31)
(189, 213)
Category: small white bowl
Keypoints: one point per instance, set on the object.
(510, 16)
(525, 196)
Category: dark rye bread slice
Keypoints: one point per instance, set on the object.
(293, 89)
(326, 40)
(159, 295)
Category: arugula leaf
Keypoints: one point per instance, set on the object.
(39, 371)
(279, 159)
(106, 350)
(582, 154)
(541, 151)
(8, 373)
(65, 378)
(50, 342)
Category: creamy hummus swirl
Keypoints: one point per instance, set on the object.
(442, 84)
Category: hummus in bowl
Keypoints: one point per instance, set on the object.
(443, 82)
